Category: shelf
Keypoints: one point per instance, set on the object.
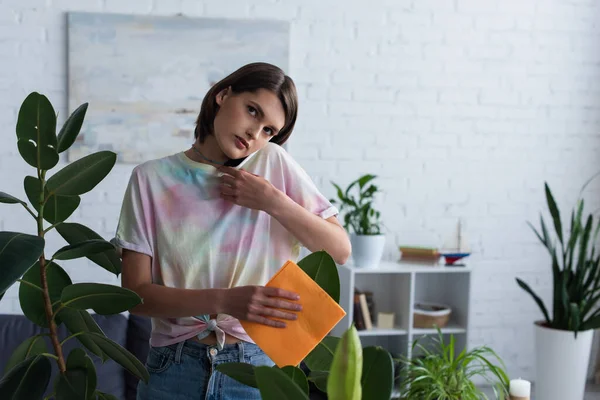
(392, 267)
(382, 332)
(451, 328)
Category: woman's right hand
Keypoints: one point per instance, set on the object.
(261, 304)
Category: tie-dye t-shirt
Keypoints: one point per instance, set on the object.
(172, 212)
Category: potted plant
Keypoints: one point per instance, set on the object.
(563, 339)
(361, 220)
(439, 373)
(339, 367)
(46, 293)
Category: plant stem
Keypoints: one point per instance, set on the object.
(44, 281)
(30, 285)
(71, 337)
(52, 227)
(30, 212)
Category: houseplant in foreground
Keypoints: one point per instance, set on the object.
(563, 339)
(361, 220)
(46, 294)
(441, 374)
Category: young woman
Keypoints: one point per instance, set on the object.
(204, 229)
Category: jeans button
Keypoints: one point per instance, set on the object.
(213, 352)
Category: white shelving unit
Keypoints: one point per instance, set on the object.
(396, 287)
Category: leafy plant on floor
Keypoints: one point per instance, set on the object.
(575, 269)
(339, 367)
(441, 374)
(357, 207)
(46, 294)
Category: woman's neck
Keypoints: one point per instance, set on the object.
(207, 152)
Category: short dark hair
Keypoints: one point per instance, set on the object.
(250, 78)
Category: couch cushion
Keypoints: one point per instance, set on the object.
(138, 343)
(111, 379)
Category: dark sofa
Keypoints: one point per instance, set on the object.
(131, 332)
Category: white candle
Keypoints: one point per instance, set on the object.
(520, 388)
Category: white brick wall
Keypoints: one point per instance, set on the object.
(463, 107)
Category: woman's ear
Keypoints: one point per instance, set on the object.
(222, 95)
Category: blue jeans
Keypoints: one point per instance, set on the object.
(186, 371)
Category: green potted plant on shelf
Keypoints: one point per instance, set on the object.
(339, 367)
(362, 220)
(439, 373)
(46, 294)
(565, 333)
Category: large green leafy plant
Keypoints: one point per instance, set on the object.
(575, 270)
(46, 294)
(357, 206)
(441, 374)
(339, 367)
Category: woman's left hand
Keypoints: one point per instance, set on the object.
(248, 190)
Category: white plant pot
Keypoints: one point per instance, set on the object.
(561, 363)
(367, 250)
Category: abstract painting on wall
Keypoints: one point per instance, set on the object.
(144, 77)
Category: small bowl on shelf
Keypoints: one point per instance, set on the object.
(430, 315)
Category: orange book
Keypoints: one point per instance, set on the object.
(320, 313)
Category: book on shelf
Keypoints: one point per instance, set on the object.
(363, 309)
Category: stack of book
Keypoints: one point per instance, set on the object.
(425, 255)
(363, 310)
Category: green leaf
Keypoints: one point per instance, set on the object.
(32, 300)
(319, 378)
(79, 381)
(297, 376)
(363, 180)
(321, 357)
(83, 249)
(274, 384)
(592, 323)
(18, 252)
(103, 299)
(57, 208)
(36, 132)
(345, 374)
(81, 321)
(27, 380)
(575, 317)
(105, 396)
(30, 347)
(554, 212)
(75, 233)
(323, 270)
(8, 199)
(71, 128)
(241, 372)
(377, 374)
(82, 175)
(537, 299)
(120, 355)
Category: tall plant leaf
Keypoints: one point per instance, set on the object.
(319, 378)
(345, 374)
(321, 357)
(27, 380)
(76, 233)
(120, 355)
(30, 347)
(82, 175)
(8, 199)
(81, 321)
(274, 384)
(57, 208)
(321, 267)
(537, 299)
(82, 249)
(36, 132)
(31, 299)
(554, 212)
(71, 128)
(377, 374)
(79, 381)
(18, 252)
(103, 299)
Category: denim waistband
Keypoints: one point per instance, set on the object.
(232, 352)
